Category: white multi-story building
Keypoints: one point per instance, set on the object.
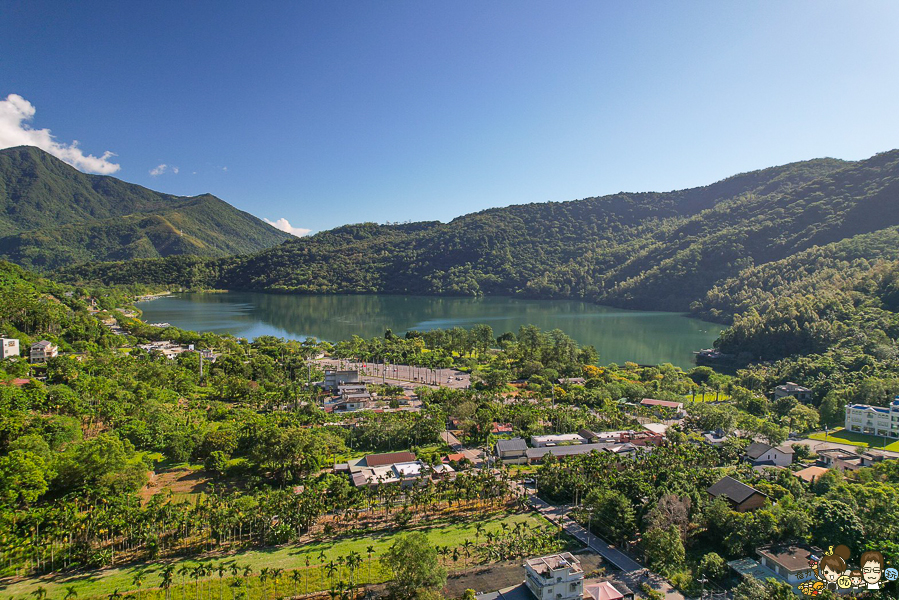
(9, 348)
(555, 577)
(874, 420)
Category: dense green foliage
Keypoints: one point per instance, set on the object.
(649, 250)
(52, 215)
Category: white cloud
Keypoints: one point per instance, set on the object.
(157, 171)
(16, 111)
(175, 170)
(284, 225)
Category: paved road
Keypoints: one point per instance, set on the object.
(633, 573)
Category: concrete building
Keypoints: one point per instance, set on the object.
(394, 467)
(536, 455)
(555, 577)
(9, 348)
(740, 496)
(43, 351)
(333, 379)
(803, 394)
(846, 460)
(789, 561)
(874, 420)
(541, 441)
(764, 454)
(512, 451)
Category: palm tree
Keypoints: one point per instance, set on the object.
(306, 576)
(263, 578)
(370, 550)
(331, 568)
(220, 569)
(183, 571)
(167, 573)
(40, 593)
(467, 547)
(295, 576)
(138, 581)
(71, 592)
(115, 595)
(247, 571)
(276, 577)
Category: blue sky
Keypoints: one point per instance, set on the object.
(324, 113)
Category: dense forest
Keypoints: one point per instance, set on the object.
(52, 215)
(660, 251)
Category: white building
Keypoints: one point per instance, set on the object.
(541, 441)
(555, 577)
(766, 454)
(874, 420)
(43, 351)
(9, 348)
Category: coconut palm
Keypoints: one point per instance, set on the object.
(40, 593)
(71, 592)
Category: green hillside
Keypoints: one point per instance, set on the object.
(647, 250)
(53, 215)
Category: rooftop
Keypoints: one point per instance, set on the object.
(810, 474)
(879, 409)
(376, 460)
(513, 445)
(793, 557)
(792, 387)
(665, 403)
(545, 564)
(605, 591)
(732, 489)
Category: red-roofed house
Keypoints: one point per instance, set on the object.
(678, 407)
(501, 428)
(16, 382)
(604, 590)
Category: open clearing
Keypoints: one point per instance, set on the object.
(841, 436)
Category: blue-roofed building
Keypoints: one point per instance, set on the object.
(874, 420)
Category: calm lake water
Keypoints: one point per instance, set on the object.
(618, 335)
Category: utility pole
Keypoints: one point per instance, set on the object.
(703, 582)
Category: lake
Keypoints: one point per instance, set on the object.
(619, 335)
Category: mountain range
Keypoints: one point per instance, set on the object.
(53, 215)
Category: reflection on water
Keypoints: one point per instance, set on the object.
(619, 335)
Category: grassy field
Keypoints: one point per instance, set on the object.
(102, 583)
(841, 436)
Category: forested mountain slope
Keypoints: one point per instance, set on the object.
(597, 249)
(53, 215)
(648, 250)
